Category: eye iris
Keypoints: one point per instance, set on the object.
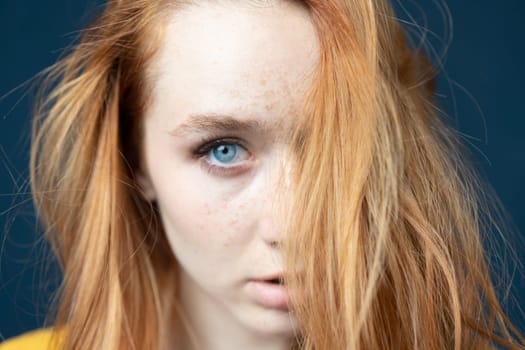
(225, 153)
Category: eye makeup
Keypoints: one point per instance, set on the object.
(205, 150)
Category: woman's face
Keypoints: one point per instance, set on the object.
(229, 84)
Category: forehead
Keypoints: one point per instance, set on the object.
(244, 61)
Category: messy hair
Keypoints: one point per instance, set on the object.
(385, 227)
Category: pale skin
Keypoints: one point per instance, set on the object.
(249, 63)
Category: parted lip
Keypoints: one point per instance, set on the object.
(275, 276)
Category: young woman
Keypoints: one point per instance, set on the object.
(257, 175)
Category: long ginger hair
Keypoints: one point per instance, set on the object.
(384, 237)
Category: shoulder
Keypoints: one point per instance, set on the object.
(39, 339)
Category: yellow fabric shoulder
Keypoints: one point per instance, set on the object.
(39, 339)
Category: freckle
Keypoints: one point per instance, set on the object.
(207, 209)
(235, 93)
(269, 93)
(262, 81)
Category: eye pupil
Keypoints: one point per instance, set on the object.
(225, 153)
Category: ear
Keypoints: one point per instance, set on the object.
(146, 187)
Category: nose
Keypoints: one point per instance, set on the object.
(276, 190)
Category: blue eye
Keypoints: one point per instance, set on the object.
(223, 156)
(225, 153)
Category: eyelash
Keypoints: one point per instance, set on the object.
(206, 145)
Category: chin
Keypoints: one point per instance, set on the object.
(271, 322)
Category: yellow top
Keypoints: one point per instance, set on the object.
(35, 340)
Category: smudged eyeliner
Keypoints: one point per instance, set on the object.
(202, 151)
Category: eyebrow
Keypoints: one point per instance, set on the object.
(216, 123)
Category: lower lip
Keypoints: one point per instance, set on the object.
(270, 295)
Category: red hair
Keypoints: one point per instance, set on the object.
(388, 231)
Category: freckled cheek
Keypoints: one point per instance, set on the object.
(200, 216)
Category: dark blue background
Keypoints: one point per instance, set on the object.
(482, 90)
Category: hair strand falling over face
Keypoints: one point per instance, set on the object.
(384, 238)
